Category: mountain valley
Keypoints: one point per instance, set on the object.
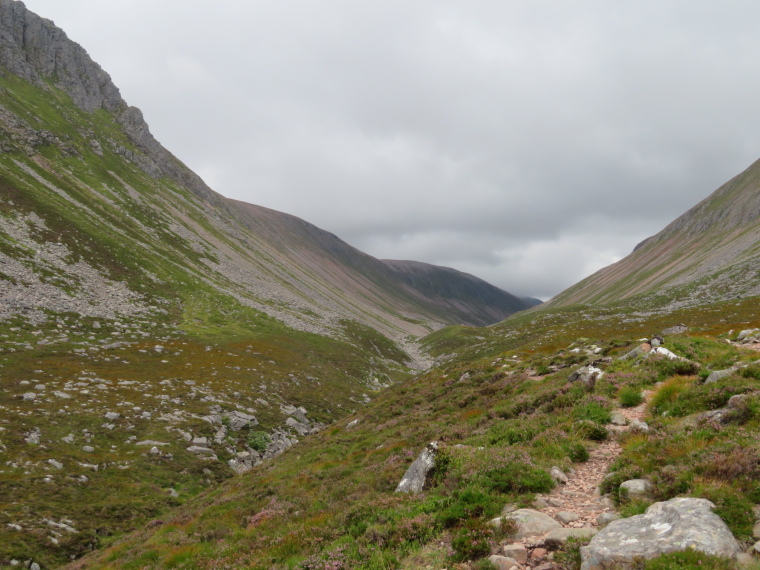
(190, 381)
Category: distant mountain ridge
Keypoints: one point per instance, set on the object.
(712, 252)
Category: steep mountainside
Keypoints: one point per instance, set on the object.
(95, 163)
(712, 252)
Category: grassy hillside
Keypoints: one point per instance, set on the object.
(710, 253)
(504, 413)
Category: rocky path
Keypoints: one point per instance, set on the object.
(578, 504)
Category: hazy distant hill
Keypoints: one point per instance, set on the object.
(711, 252)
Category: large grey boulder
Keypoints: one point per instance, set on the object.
(671, 526)
(529, 523)
(414, 478)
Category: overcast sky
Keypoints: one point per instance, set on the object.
(527, 142)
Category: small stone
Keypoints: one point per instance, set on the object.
(56, 464)
(502, 562)
(88, 449)
(538, 553)
(756, 530)
(516, 551)
(558, 538)
(618, 419)
(566, 517)
(112, 416)
(29, 396)
(558, 475)
(606, 518)
(154, 450)
(635, 488)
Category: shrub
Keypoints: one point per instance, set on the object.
(668, 393)
(578, 453)
(594, 412)
(591, 430)
(517, 478)
(466, 504)
(473, 541)
(630, 397)
(752, 371)
(259, 440)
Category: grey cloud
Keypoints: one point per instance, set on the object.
(528, 143)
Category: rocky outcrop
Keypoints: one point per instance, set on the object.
(415, 477)
(672, 526)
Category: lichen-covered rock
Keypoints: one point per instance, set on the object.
(671, 526)
(529, 523)
(414, 478)
(716, 375)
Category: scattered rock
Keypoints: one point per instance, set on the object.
(57, 464)
(516, 551)
(719, 374)
(200, 450)
(566, 517)
(529, 523)
(635, 488)
(88, 449)
(414, 478)
(671, 526)
(588, 375)
(558, 538)
(639, 426)
(606, 518)
(502, 562)
(558, 475)
(676, 329)
(745, 334)
(111, 416)
(618, 419)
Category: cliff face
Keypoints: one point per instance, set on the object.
(711, 252)
(36, 50)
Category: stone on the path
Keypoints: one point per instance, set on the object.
(639, 426)
(716, 375)
(413, 480)
(502, 562)
(566, 517)
(635, 488)
(558, 538)
(606, 518)
(529, 523)
(671, 526)
(618, 419)
(558, 475)
(516, 551)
